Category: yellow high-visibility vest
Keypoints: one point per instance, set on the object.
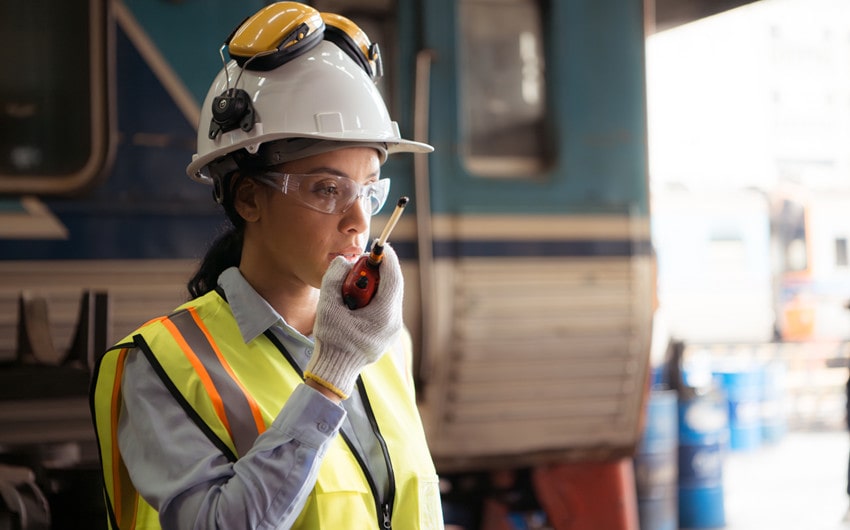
(236, 390)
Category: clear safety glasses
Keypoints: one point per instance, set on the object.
(328, 193)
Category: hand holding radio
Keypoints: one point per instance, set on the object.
(348, 340)
(363, 280)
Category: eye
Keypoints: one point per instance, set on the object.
(326, 188)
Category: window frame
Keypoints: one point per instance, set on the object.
(515, 166)
(101, 119)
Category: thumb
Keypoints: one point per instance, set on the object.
(336, 273)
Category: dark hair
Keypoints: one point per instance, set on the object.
(226, 250)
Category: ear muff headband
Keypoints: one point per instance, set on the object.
(352, 40)
(284, 30)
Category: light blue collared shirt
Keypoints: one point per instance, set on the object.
(254, 316)
(176, 468)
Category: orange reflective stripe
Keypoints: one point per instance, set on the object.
(252, 403)
(151, 321)
(238, 411)
(200, 369)
(123, 505)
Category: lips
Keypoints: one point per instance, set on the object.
(350, 254)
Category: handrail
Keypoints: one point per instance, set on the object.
(422, 186)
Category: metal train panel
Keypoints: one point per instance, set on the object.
(536, 345)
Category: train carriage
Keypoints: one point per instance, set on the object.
(526, 248)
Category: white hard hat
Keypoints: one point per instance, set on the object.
(319, 94)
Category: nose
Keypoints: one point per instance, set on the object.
(357, 218)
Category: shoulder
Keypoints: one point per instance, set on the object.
(205, 306)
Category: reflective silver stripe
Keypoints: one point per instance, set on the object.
(237, 408)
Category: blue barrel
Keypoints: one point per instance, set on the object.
(742, 386)
(703, 437)
(660, 377)
(655, 461)
(774, 422)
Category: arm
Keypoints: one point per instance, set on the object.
(193, 485)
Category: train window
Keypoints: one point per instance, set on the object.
(503, 95)
(54, 136)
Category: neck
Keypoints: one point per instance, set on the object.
(295, 303)
(298, 310)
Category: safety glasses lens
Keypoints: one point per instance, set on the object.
(377, 193)
(331, 193)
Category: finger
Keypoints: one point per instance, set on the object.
(391, 286)
(390, 268)
(336, 273)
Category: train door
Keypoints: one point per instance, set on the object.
(533, 251)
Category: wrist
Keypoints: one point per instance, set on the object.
(323, 390)
(334, 369)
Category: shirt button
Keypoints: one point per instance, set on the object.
(309, 351)
(323, 427)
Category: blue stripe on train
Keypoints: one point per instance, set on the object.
(540, 248)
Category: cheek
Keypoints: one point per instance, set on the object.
(368, 232)
(285, 234)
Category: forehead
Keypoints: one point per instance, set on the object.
(349, 161)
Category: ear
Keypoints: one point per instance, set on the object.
(247, 199)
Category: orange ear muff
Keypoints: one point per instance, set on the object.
(274, 35)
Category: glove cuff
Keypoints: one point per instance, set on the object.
(335, 370)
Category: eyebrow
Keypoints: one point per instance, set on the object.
(337, 172)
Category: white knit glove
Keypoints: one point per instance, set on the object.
(347, 340)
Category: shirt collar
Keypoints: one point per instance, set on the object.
(252, 313)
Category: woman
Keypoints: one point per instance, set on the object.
(264, 402)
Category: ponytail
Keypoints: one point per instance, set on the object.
(226, 250)
(224, 253)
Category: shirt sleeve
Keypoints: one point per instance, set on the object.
(179, 471)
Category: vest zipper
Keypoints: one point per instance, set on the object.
(385, 510)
